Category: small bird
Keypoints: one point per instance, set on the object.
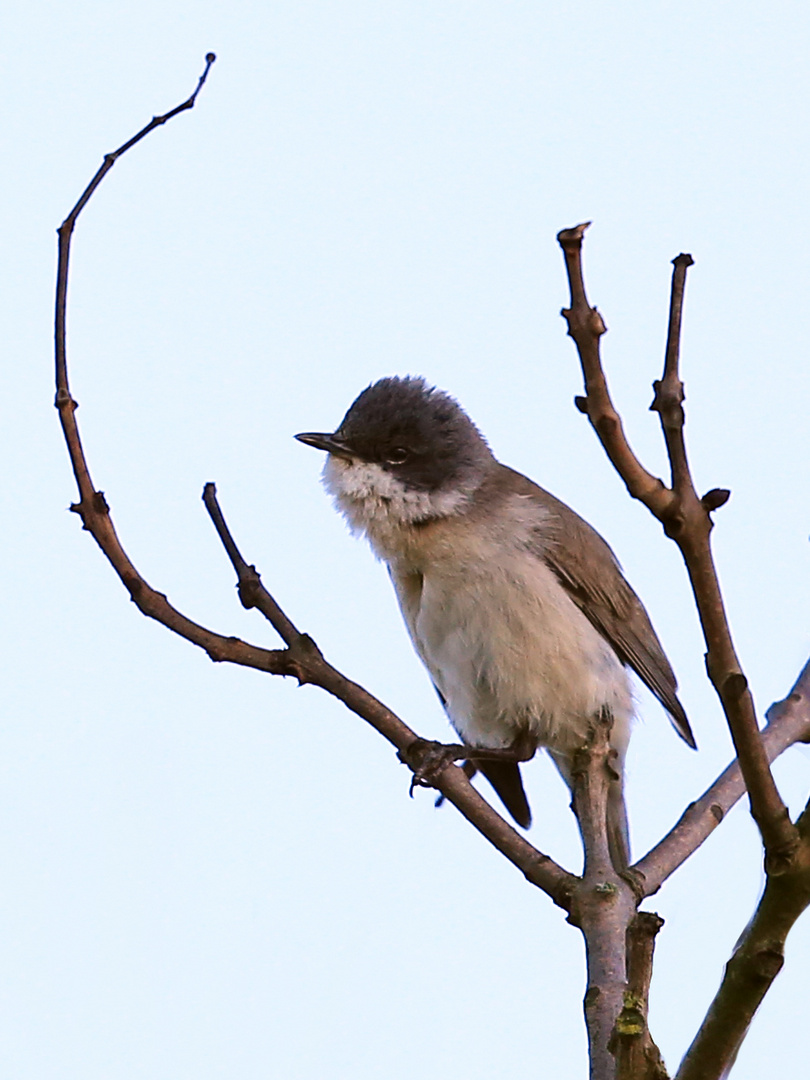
(516, 606)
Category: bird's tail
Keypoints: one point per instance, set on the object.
(506, 779)
(618, 830)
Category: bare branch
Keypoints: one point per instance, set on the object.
(591, 779)
(757, 960)
(637, 1056)
(586, 326)
(788, 723)
(453, 782)
(251, 591)
(669, 394)
(302, 658)
(759, 954)
(65, 232)
(604, 904)
(686, 519)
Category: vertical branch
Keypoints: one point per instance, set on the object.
(669, 393)
(637, 1056)
(690, 526)
(604, 903)
(686, 520)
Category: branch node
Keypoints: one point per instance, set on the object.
(768, 963)
(715, 498)
(597, 323)
(249, 587)
(674, 522)
(134, 585)
(581, 403)
(637, 882)
(304, 656)
(668, 398)
(734, 686)
(607, 425)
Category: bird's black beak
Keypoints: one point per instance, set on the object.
(332, 444)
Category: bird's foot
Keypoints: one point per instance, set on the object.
(429, 759)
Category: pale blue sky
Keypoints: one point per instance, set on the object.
(206, 874)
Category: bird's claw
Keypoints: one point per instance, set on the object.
(429, 759)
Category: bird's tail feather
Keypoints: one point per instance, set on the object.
(506, 779)
(618, 830)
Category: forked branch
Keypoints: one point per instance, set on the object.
(602, 902)
(788, 723)
(302, 658)
(686, 519)
(453, 782)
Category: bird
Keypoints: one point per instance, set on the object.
(516, 606)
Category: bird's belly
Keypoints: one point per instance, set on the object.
(511, 652)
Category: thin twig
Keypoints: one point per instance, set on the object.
(669, 393)
(586, 326)
(453, 782)
(302, 658)
(788, 723)
(66, 228)
(249, 584)
(686, 519)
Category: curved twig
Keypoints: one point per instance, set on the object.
(302, 658)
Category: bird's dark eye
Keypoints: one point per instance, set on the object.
(398, 456)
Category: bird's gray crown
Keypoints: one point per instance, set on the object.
(418, 433)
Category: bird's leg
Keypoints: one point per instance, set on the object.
(429, 759)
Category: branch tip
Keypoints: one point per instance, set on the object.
(573, 235)
(683, 260)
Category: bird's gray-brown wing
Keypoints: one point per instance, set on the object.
(587, 568)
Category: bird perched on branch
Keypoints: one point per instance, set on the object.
(516, 606)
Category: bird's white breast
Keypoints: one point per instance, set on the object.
(505, 644)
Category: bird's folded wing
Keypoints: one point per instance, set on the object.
(589, 571)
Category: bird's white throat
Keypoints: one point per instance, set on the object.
(378, 505)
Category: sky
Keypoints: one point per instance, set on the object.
(208, 873)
